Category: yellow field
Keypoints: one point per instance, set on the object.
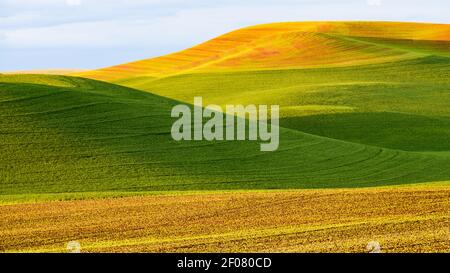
(62, 71)
(283, 45)
(402, 219)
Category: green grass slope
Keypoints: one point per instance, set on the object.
(401, 105)
(62, 134)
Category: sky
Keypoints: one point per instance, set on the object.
(46, 34)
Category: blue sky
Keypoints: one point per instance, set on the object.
(42, 34)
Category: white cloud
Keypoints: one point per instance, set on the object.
(73, 2)
(184, 27)
(15, 20)
(374, 2)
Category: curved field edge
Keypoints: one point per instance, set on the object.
(80, 135)
(401, 219)
(15, 199)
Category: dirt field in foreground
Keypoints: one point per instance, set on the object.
(401, 219)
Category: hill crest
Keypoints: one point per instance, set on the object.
(291, 45)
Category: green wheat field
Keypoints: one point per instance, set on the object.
(364, 150)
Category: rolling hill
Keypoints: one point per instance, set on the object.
(63, 134)
(293, 45)
(364, 147)
(400, 105)
(377, 83)
(362, 104)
